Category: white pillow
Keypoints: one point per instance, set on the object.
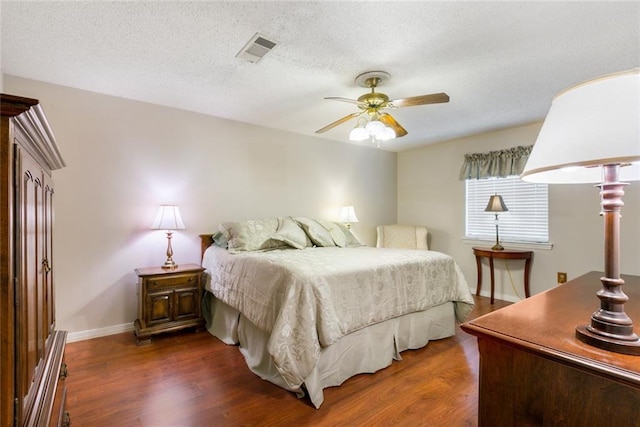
(290, 233)
(336, 233)
(252, 235)
(352, 240)
(319, 235)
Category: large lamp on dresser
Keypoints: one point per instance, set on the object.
(592, 135)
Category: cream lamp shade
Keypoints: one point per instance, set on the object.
(168, 218)
(589, 125)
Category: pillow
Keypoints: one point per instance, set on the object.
(336, 233)
(251, 235)
(290, 233)
(352, 240)
(220, 239)
(316, 232)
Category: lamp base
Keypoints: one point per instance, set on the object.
(585, 334)
(610, 328)
(497, 247)
(169, 265)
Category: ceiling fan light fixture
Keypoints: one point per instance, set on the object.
(358, 133)
(381, 126)
(387, 134)
(375, 128)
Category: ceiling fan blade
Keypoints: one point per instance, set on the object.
(338, 122)
(351, 101)
(434, 98)
(391, 122)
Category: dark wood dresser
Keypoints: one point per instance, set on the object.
(533, 371)
(32, 368)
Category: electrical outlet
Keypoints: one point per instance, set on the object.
(562, 277)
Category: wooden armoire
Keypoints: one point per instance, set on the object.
(32, 369)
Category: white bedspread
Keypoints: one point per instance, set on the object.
(312, 297)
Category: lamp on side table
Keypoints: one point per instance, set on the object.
(496, 205)
(168, 219)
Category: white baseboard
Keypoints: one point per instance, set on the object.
(96, 333)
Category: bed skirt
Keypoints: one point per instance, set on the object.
(363, 351)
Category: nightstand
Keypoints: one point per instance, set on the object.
(168, 300)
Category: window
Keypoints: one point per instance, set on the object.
(527, 220)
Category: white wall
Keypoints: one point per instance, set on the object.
(430, 193)
(124, 158)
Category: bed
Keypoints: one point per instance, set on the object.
(310, 307)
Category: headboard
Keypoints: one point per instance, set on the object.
(206, 240)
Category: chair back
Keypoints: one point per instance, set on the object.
(402, 236)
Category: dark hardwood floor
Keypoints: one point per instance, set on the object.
(193, 379)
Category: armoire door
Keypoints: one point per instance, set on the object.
(31, 332)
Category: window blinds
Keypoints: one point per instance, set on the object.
(527, 219)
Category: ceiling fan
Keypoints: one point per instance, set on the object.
(373, 122)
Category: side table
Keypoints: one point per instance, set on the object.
(168, 300)
(502, 254)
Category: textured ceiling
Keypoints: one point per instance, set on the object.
(500, 62)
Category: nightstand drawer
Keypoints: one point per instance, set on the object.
(172, 282)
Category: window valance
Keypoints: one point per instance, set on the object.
(495, 164)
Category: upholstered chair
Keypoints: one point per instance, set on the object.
(402, 237)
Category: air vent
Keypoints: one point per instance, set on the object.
(256, 49)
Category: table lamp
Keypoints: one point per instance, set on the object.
(496, 205)
(168, 219)
(592, 135)
(347, 215)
